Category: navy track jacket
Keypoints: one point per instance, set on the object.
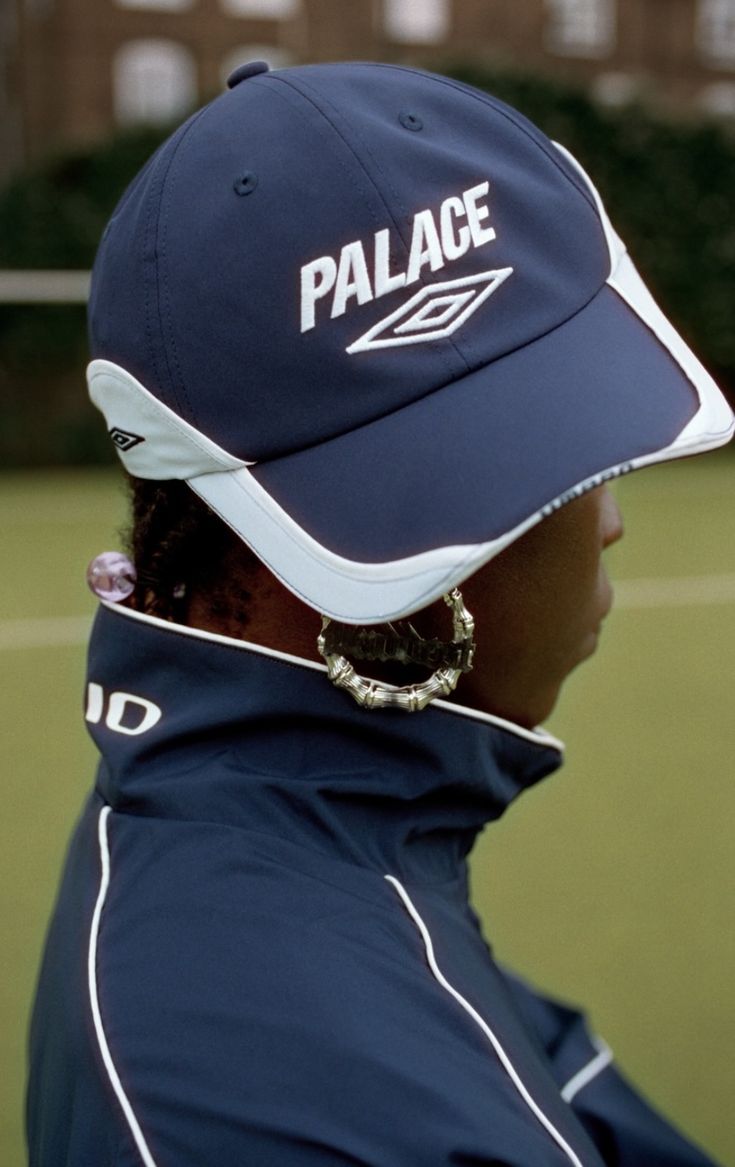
(263, 954)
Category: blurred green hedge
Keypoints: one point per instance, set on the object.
(53, 217)
(668, 188)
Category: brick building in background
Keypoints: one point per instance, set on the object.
(71, 71)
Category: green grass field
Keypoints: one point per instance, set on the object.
(611, 884)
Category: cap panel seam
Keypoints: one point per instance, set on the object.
(175, 373)
(289, 99)
(146, 175)
(301, 88)
(317, 99)
(151, 287)
(503, 111)
(343, 166)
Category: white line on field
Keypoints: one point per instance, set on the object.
(45, 632)
(44, 287)
(675, 592)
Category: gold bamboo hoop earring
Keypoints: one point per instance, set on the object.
(450, 658)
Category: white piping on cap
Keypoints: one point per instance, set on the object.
(346, 589)
(714, 416)
(151, 440)
(341, 588)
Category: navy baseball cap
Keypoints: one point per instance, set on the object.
(382, 325)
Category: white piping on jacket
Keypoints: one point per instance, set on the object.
(594, 1067)
(538, 736)
(502, 1056)
(112, 1073)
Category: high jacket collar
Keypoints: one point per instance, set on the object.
(263, 742)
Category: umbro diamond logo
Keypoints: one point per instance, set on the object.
(433, 313)
(123, 440)
(367, 269)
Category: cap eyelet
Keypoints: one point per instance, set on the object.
(410, 121)
(246, 184)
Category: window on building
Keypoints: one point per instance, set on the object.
(276, 57)
(153, 81)
(38, 8)
(156, 5)
(615, 89)
(716, 31)
(262, 9)
(416, 21)
(718, 99)
(580, 28)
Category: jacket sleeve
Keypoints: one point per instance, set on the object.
(626, 1129)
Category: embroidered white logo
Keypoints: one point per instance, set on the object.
(433, 313)
(364, 274)
(119, 710)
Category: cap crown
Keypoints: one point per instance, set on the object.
(251, 274)
(382, 326)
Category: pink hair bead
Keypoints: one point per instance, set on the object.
(111, 576)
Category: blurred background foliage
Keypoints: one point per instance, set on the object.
(666, 185)
(53, 217)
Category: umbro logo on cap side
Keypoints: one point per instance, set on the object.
(433, 313)
(123, 440)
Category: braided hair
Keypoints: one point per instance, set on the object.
(182, 550)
